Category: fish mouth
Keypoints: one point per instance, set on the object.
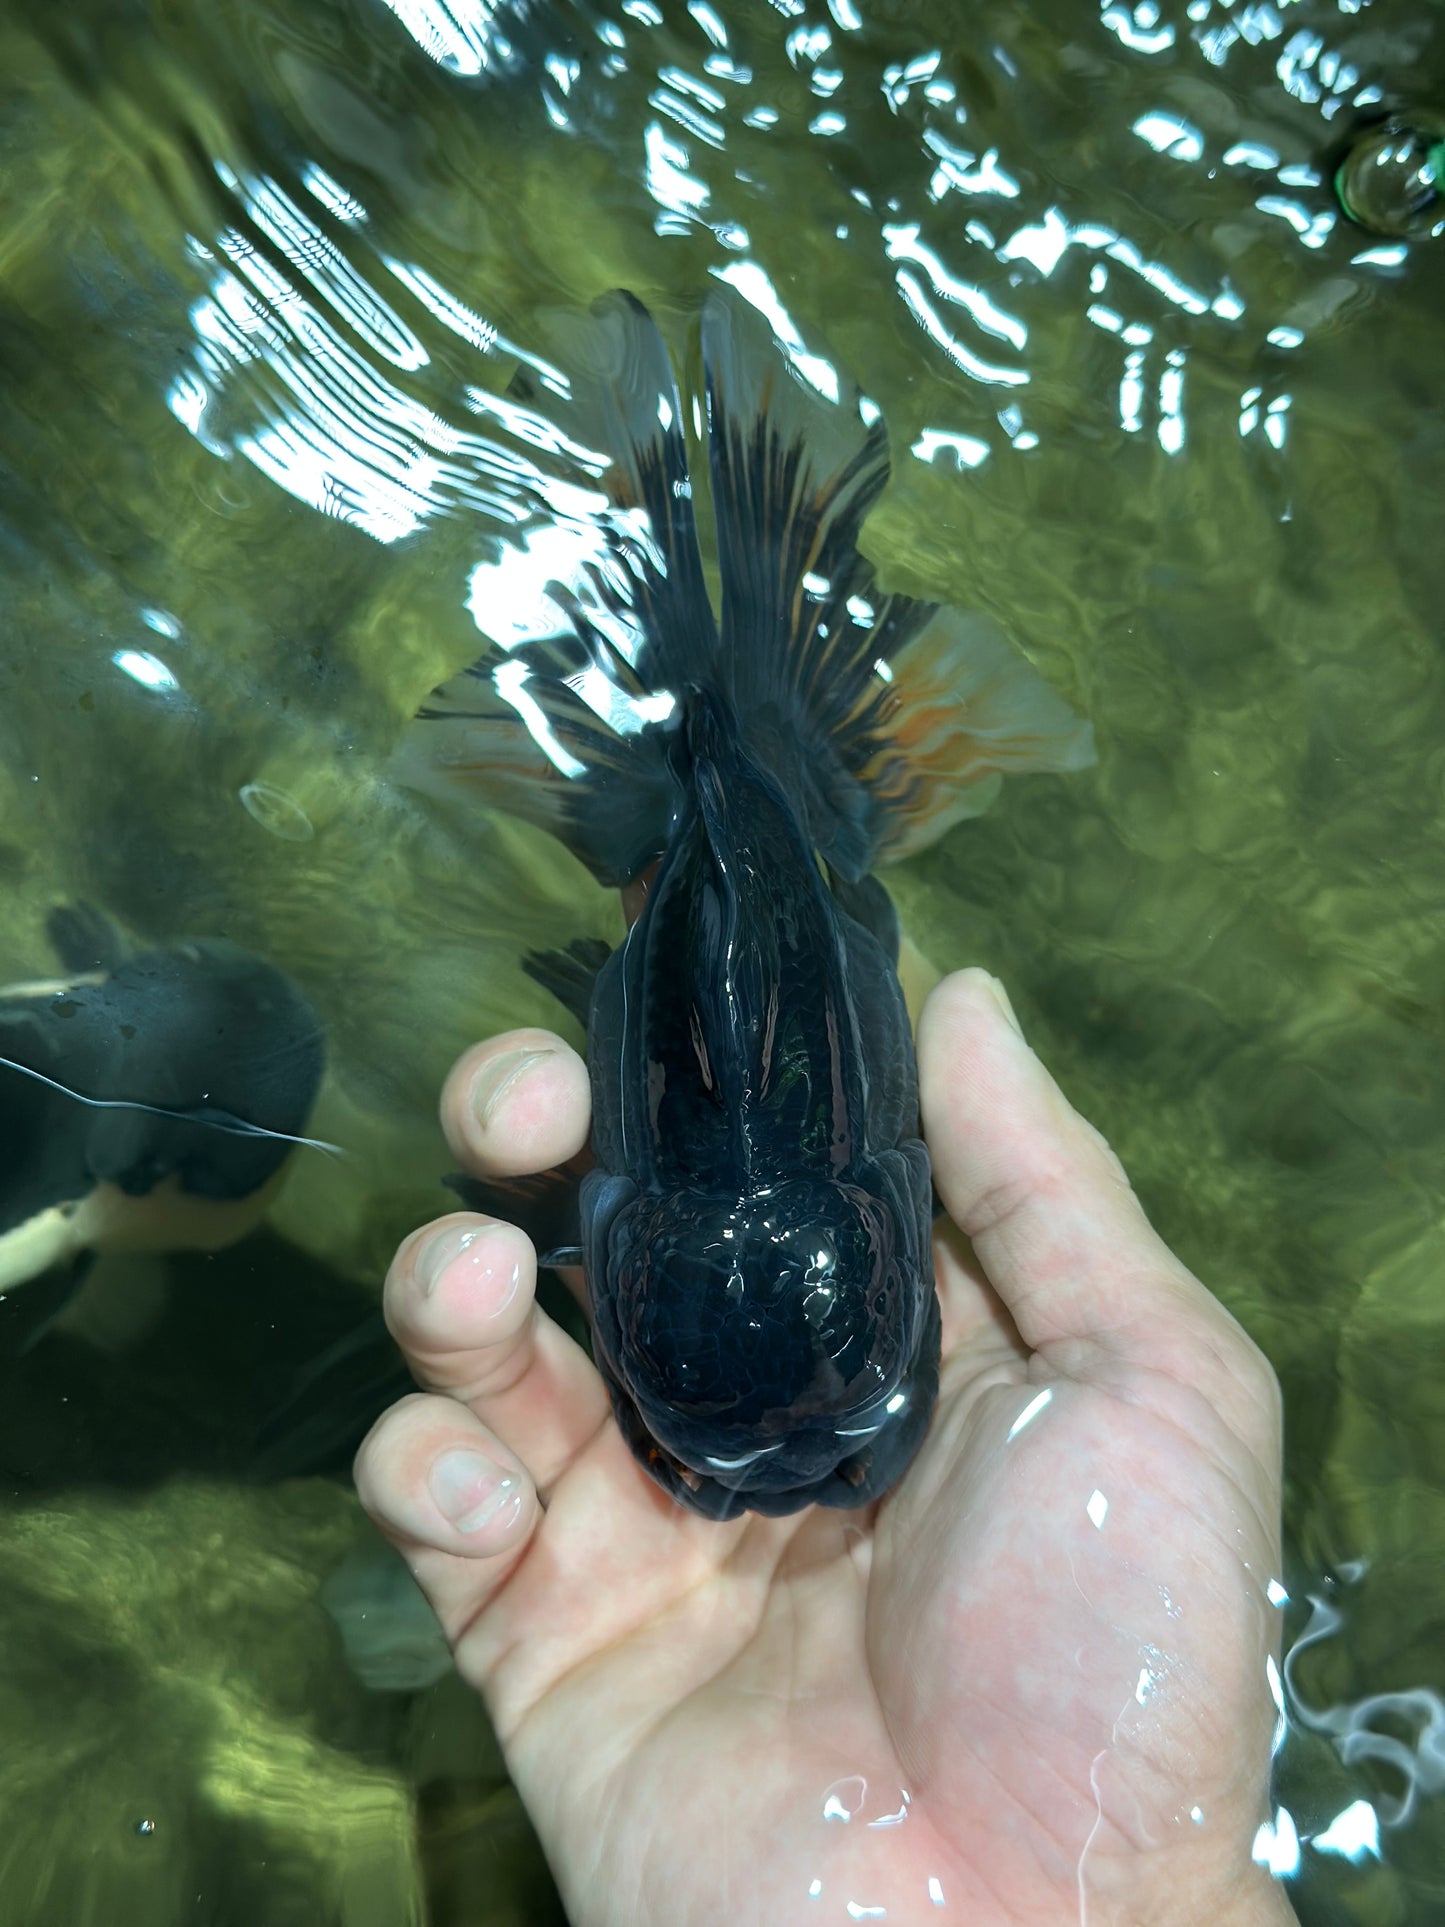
(832, 1465)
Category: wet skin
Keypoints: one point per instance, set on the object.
(1075, 1700)
(757, 1229)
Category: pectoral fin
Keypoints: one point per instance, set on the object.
(542, 1204)
(570, 974)
(84, 938)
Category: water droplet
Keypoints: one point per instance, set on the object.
(899, 1813)
(843, 1799)
(1392, 180)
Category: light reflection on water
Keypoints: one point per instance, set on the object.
(273, 272)
(348, 438)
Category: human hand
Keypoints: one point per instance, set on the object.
(1028, 1686)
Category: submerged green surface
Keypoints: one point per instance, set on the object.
(265, 269)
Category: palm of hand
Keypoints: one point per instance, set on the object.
(895, 1708)
(1030, 1683)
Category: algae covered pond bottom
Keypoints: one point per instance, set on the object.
(1156, 405)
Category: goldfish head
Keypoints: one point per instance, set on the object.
(764, 1343)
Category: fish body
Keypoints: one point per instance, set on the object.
(147, 1101)
(756, 1230)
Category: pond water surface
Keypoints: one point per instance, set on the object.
(266, 272)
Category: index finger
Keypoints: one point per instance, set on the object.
(517, 1104)
(1047, 1205)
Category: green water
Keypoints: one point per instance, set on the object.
(1152, 404)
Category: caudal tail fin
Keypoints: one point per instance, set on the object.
(898, 717)
(889, 719)
(597, 614)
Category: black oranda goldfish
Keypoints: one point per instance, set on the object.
(757, 1228)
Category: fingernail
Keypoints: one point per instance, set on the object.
(1001, 998)
(498, 1076)
(437, 1253)
(471, 1491)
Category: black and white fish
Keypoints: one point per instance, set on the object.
(147, 1102)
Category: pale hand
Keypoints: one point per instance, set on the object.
(1030, 1686)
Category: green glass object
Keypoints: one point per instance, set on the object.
(1392, 180)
